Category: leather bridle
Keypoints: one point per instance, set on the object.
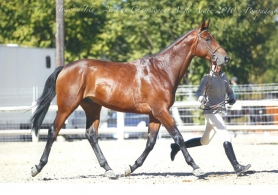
(207, 46)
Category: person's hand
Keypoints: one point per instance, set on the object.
(202, 99)
(231, 101)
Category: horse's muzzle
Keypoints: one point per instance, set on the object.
(226, 60)
(217, 61)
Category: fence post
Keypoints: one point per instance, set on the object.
(176, 116)
(120, 125)
(35, 96)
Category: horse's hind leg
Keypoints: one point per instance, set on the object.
(153, 129)
(52, 134)
(92, 111)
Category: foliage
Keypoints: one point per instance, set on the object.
(126, 30)
(28, 23)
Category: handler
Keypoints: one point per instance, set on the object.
(211, 93)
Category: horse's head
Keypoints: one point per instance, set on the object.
(207, 47)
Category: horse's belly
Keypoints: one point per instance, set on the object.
(112, 98)
(119, 100)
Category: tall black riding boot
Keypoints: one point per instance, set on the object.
(188, 144)
(232, 158)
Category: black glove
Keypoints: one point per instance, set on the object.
(231, 101)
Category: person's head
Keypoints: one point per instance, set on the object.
(216, 68)
(234, 80)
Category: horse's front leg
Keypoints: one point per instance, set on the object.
(153, 129)
(92, 137)
(167, 120)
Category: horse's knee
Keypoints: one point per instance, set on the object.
(91, 136)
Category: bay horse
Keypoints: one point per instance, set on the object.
(146, 85)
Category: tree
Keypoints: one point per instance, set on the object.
(83, 23)
(127, 30)
(28, 23)
(138, 28)
(32, 23)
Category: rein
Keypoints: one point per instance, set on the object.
(203, 107)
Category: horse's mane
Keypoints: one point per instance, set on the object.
(176, 40)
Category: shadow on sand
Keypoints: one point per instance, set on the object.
(166, 174)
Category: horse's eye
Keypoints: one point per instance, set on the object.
(207, 39)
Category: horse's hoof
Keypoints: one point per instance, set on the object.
(110, 174)
(198, 172)
(34, 171)
(127, 171)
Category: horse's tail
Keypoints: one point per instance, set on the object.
(43, 103)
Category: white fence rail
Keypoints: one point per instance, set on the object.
(270, 110)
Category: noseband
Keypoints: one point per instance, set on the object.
(207, 46)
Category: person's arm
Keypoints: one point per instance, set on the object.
(230, 92)
(202, 87)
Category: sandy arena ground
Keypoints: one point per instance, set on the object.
(74, 163)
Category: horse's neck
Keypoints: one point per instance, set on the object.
(177, 58)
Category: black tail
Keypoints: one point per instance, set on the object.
(43, 103)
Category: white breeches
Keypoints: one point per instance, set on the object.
(214, 124)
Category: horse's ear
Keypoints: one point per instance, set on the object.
(207, 24)
(201, 27)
